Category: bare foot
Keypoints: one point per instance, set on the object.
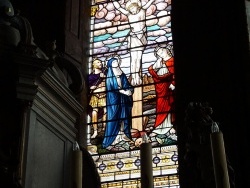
(133, 82)
(94, 134)
(138, 79)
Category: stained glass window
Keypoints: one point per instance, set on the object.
(131, 91)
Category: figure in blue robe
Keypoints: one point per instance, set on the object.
(119, 103)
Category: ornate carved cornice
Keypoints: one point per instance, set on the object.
(28, 69)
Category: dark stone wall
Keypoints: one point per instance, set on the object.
(212, 64)
(47, 19)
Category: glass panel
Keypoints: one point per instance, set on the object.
(131, 84)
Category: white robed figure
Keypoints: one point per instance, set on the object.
(137, 38)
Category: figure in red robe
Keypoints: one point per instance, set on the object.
(162, 72)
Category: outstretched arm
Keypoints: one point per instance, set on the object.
(148, 4)
(119, 8)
